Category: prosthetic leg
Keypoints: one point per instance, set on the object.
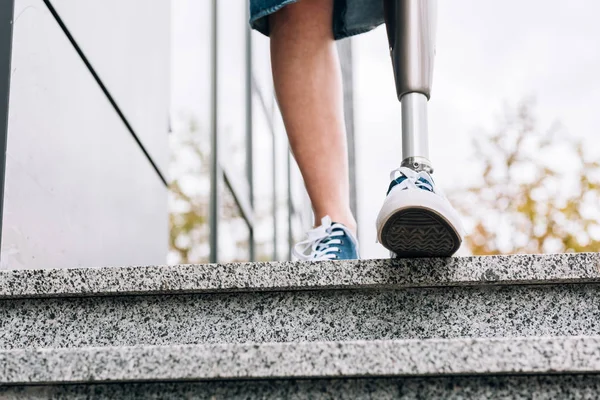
(416, 219)
(411, 35)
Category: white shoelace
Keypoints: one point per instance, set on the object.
(412, 180)
(321, 241)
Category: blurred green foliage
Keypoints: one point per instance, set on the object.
(539, 190)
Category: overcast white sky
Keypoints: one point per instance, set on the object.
(488, 54)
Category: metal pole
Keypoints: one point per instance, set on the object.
(345, 51)
(274, 181)
(215, 171)
(415, 141)
(290, 204)
(249, 135)
(411, 34)
(6, 33)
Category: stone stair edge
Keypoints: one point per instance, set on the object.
(283, 276)
(319, 360)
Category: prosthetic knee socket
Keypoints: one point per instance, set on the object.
(411, 34)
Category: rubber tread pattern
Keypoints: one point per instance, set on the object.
(419, 232)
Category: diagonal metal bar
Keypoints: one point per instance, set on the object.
(263, 105)
(103, 87)
(240, 195)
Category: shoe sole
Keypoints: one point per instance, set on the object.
(419, 232)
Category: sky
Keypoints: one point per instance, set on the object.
(489, 54)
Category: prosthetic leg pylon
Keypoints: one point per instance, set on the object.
(411, 26)
(416, 219)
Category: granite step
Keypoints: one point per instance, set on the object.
(508, 296)
(475, 327)
(306, 360)
(295, 276)
(521, 387)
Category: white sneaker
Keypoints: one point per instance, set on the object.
(329, 241)
(416, 219)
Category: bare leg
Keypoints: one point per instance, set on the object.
(308, 86)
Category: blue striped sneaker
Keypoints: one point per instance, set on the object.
(330, 241)
(416, 219)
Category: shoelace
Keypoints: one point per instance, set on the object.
(321, 241)
(415, 180)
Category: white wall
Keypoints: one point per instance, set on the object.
(79, 191)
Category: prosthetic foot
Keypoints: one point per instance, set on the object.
(416, 219)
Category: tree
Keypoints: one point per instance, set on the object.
(189, 199)
(539, 193)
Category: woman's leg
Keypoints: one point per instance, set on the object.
(308, 85)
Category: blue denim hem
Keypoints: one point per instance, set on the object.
(260, 22)
(353, 32)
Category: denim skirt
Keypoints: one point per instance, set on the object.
(350, 17)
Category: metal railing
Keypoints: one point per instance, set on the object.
(221, 173)
(219, 169)
(243, 190)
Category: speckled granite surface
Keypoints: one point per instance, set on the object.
(582, 267)
(182, 323)
(490, 311)
(303, 360)
(570, 387)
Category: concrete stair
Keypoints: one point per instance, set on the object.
(475, 327)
